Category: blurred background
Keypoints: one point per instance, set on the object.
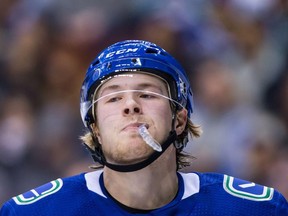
(235, 52)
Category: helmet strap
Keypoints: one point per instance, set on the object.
(98, 156)
(140, 165)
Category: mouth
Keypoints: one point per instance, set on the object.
(135, 126)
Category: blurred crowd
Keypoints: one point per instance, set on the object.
(235, 52)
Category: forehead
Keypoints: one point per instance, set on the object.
(133, 81)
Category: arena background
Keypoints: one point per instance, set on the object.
(235, 52)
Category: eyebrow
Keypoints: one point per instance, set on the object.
(141, 86)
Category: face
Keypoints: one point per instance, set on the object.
(120, 114)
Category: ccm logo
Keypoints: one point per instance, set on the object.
(118, 52)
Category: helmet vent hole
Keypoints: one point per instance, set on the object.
(152, 51)
(96, 62)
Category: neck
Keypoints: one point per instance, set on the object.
(149, 188)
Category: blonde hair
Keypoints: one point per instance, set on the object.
(194, 131)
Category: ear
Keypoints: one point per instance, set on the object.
(96, 132)
(181, 120)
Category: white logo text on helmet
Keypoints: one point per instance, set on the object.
(122, 51)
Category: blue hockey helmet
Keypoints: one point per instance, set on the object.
(133, 56)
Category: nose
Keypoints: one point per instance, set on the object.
(131, 107)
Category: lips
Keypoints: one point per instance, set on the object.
(135, 126)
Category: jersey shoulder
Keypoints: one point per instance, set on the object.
(55, 188)
(55, 191)
(238, 187)
(244, 192)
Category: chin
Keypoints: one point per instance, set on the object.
(134, 156)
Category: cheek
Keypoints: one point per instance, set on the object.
(160, 111)
(162, 121)
(105, 114)
(106, 121)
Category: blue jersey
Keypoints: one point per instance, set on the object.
(198, 194)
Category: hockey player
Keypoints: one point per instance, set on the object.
(136, 103)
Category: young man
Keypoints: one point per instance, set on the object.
(136, 102)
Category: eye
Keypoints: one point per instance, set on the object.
(113, 99)
(147, 96)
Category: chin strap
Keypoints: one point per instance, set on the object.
(99, 157)
(140, 165)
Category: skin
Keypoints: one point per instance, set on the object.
(118, 119)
